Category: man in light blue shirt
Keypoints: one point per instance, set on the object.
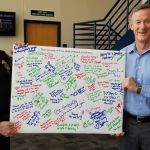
(136, 135)
(138, 76)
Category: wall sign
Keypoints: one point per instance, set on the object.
(42, 13)
(7, 23)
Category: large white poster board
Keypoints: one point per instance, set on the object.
(66, 90)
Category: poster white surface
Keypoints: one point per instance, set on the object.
(67, 90)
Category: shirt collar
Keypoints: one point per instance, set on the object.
(133, 49)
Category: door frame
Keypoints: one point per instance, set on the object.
(44, 22)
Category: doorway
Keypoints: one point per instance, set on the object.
(42, 33)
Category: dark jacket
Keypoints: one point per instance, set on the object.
(5, 85)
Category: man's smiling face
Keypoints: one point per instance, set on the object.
(140, 24)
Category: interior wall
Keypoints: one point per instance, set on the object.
(143, 1)
(44, 5)
(65, 11)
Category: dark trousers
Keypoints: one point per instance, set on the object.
(137, 135)
(4, 143)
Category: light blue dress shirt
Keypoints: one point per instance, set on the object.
(138, 67)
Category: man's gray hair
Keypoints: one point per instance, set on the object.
(138, 8)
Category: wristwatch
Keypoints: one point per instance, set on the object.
(139, 89)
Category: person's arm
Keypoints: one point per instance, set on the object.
(130, 84)
(145, 90)
(7, 128)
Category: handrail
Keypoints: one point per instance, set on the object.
(114, 20)
(104, 33)
(124, 18)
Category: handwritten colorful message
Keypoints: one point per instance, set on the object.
(67, 90)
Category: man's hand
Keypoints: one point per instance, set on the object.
(130, 84)
(21, 44)
(7, 129)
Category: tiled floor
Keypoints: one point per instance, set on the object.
(63, 142)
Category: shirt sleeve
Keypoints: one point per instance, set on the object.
(145, 91)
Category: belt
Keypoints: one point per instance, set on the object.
(141, 119)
